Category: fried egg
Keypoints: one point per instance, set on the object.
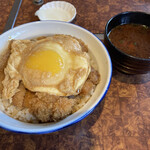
(55, 65)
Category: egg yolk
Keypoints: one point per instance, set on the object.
(46, 61)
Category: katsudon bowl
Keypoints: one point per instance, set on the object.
(96, 48)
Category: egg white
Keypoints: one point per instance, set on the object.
(38, 81)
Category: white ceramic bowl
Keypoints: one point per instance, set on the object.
(95, 46)
(57, 10)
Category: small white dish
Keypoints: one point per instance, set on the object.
(57, 10)
(96, 48)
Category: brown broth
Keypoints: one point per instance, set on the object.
(132, 39)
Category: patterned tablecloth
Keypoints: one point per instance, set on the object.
(122, 120)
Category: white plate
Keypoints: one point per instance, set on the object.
(42, 28)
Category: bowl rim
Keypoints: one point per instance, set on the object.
(99, 99)
(106, 35)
